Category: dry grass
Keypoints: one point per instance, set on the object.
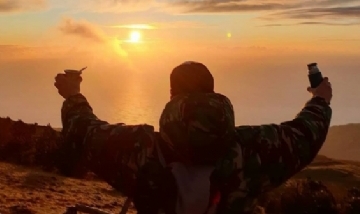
(35, 191)
(332, 189)
(46, 193)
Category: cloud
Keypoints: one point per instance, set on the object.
(319, 13)
(164, 25)
(112, 6)
(205, 6)
(334, 2)
(82, 29)
(10, 6)
(326, 23)
(278, 9)
(102, 42)
(232, 6)
(183, 24)
(135, 26)
(181, 6)
(344, 12)
(313, 23)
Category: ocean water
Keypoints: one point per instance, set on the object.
(258, 97)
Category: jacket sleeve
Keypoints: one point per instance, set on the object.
(115, 152)
(271, 154)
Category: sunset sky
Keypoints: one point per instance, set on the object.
(54, 27)
(264, 40)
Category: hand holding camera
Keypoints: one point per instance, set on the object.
(319, 86)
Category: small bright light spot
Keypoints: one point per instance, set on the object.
(135, 36)
(228, 35)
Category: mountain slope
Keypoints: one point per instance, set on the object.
(343, 142)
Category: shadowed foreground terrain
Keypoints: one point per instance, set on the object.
(29, 179)
(325, 186)
(28, 150)
(28, 190)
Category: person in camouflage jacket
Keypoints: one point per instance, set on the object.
(197, 128)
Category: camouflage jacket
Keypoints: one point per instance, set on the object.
(257, 159)
(271, 154)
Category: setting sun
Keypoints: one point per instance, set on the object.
(135, 37)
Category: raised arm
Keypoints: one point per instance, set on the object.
(271, 154)
(277, 152)
(113, 151)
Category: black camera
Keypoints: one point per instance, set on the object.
(315, 76)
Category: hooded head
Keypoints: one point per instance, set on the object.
(197, 124)
(191, 77)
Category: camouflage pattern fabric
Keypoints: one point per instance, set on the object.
(197, 128)
(255, 159)
(115, 152)
(271, 154)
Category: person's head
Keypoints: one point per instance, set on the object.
(191, 77)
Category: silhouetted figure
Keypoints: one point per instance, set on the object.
(199, 161)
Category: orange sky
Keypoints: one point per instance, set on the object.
(263, 40)
(179, 26)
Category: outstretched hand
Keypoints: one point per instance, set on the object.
(67, 85)
(324, 90)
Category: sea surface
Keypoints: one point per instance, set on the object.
(258, 96)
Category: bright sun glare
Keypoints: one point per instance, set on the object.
(135, 37)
